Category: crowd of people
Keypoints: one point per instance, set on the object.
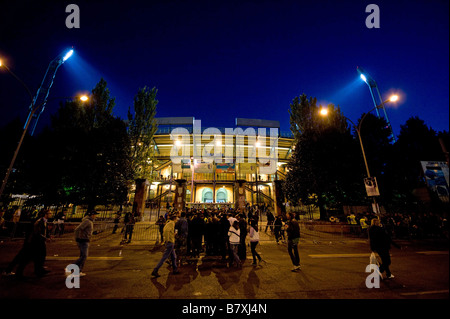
(226, 233)
(207, 231)
(402, 226)
(222, 232)
(15, 221)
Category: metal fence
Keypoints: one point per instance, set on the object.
(143, 231)
(149, 231)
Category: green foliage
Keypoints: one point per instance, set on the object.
(141, 128)
(86, 153)
(323, 169)
(416, 142)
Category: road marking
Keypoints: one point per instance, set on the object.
(425, 292)
(339, 255)
(433, 252)
(75, 258)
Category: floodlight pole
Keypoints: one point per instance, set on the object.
(54, 65)
(373, 86)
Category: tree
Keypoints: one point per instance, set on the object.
(416, 142)
(9, 137)
(321, 170)
(141, 128)
(87, 151)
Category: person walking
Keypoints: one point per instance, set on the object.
(39, 243)
(254, 240)
(116, 221)
(161, 222)
(270, 220)
(130, 221)
(380, 242)
(169, 238)
(196, 230)
(34, 249)
(278, 228)
(182, 229)
(293, 236)
(234, 235)
(242, 250)
(83, 234)
(59, 225)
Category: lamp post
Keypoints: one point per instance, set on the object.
(373, 87)
(45, 87)
(8, 171)
(324, 112)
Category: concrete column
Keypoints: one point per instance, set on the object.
(278, 199)
(239, 194)
(140, 196)
(179, 202)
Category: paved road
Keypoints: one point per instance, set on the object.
(331, 269)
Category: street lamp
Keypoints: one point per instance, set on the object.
(324, 112)
(82, 98)
(46, 84)
(373, 87)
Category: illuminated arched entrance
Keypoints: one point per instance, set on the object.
(221, 195)
(207, 195)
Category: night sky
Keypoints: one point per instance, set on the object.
(219, 60)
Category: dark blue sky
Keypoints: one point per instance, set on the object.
(218, 60)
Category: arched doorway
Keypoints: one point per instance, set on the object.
(221, 195)
(207, 195)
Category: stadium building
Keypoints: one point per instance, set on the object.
(214, 167)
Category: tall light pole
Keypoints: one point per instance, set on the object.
(16, 152)
(324, 112)
(45, 89)
(374, 88)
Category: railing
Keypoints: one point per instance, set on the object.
(164, 130)
(149, 231)
(145, 231)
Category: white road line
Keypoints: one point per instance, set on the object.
(433, 252)
(75, 258)
(339, 255)
(425, 292)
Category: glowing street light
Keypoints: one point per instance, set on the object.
(324, 112)
(363, 77)
(46, 84)
(68, 55)
(393, 98)
(373, 87)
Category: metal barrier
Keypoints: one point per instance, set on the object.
(149, 231)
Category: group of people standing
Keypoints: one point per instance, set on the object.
(225, 234)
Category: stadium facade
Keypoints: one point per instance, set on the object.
(214, 167)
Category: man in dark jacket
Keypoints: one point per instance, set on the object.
(35, 247)
(380, 242)
(293, 236)
(242, 250)
(182, 230)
